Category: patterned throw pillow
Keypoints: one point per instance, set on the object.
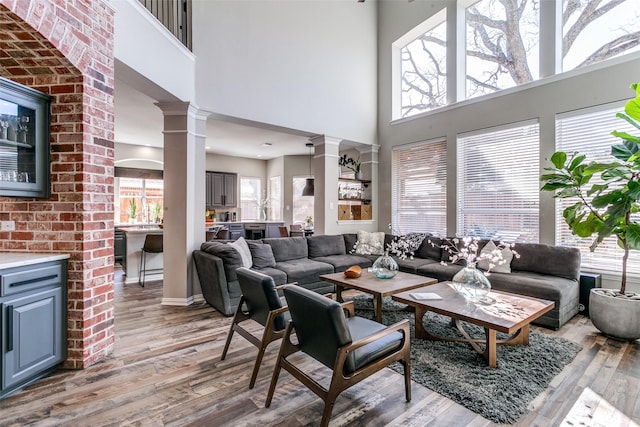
(414, 240)
(370, 243)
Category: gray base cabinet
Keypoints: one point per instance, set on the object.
(33, 322)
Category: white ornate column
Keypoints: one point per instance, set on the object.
(326, 172)
(184, 198)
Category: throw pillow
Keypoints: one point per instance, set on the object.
(370, 243)
(262, 255)
(414, 240)
(503, 266)
(241, 246)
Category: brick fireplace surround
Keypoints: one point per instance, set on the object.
(65, 48)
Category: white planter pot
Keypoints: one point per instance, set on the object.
(615, 317)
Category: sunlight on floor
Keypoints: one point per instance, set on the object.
(592, 410)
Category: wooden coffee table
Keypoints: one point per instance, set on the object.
(369, 283)
(502, 312)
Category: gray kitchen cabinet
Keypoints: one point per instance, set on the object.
(221, 188)
(273, 229)
(33, 322)
(236, 231)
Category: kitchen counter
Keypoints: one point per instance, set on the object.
(237, 228)
(21, 259)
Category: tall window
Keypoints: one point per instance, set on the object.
(424, 68)
(302, 205)
(571, 128)
(419, 188)
(597, 30)
(275, 198)
(250, 198)
(502, 45)
(498, 180)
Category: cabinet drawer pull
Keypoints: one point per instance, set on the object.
(9, 328)
(34, 280)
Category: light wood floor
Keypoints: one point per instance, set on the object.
(166, 370)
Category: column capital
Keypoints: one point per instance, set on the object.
(324, 139)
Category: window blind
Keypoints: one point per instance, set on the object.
(589, 132)
(419, 188)
(498, 183)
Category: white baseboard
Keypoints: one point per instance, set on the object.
(183, 302)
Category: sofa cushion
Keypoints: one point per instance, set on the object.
(231, 259)
(288, 248)
(409, 265)
(430, 248)
(535, 285)
(350, 240)
(304, 270)
(342, 262)
(438, 271)
(321, 246)
(262, 255)
(279, 276)
(546, 259)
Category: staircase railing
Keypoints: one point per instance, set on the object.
(173, 14)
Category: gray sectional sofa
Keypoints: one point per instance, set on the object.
(542, 271)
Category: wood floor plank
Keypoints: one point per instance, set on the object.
(166, 371)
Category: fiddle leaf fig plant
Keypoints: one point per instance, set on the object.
(606, 207)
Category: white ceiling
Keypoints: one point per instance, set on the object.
(139, 122)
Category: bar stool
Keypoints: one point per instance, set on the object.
(152, 245)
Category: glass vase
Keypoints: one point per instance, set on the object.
(385, 267)
(471, 283)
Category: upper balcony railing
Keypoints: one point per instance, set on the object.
(173, 14)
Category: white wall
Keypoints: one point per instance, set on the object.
(149, 49)
(302, 64)
(138, 156)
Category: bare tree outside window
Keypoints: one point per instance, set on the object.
(502, 46)
(613, 24)
(424, 72)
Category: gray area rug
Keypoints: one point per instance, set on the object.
(458, 372)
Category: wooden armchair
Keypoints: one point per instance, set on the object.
(259, 302)
(353, 347)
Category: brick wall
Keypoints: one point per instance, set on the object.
(65, 49)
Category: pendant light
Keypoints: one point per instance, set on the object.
(308, 189)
